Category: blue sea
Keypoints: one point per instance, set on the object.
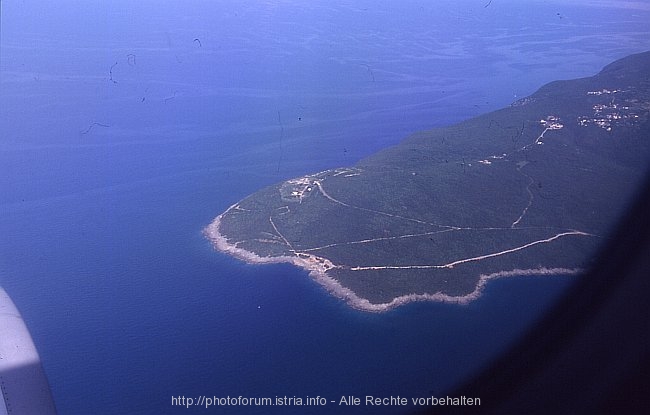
(126, 127)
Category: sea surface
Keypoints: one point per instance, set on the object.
(126, 127)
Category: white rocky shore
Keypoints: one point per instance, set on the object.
(318, 270)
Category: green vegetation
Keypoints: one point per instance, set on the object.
(533, 186)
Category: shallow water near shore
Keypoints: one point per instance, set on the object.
(167, 315)
(107, 186)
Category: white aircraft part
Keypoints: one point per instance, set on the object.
(23, 384)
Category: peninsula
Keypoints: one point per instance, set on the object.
(531, 189)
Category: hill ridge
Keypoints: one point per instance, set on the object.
(530, 189)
